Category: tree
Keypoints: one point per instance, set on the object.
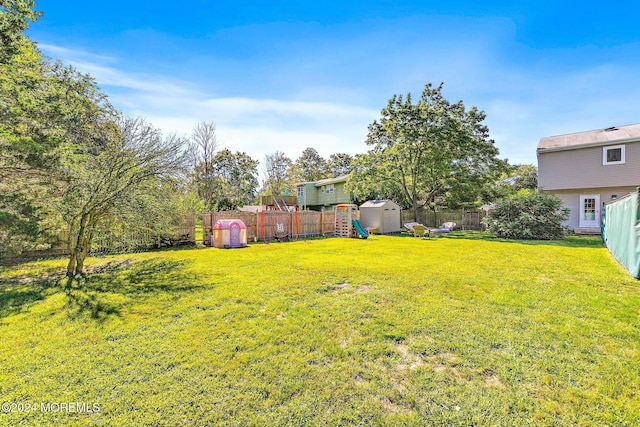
(363, 183)
(340, 163)
(427, 152)
(66, 158)
(524, 177)
(14, 20)
(153, 210)
(235, 178)
(528, 214)
(310, 166)
(514, 179)
(276, 173)
(99, 183)
(46, 109)
(202, 148)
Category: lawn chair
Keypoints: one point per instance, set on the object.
(417, 229)
(447, 227)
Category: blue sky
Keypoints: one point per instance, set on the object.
(286, 75)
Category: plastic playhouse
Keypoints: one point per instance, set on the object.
(229, 233)
(347, 222)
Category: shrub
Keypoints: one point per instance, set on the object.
(528, 214)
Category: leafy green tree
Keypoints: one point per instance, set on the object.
(429, 151)
(14, 20)
(524, 177)
(528, 214)
(66, 159)
(310, 166)
(340, 163)
(514, 179)
(363, 182)
(46, 110)
(235, 178)
(276, 173)
(100, 182)
(150, 214)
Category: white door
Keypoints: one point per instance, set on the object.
(590, 210)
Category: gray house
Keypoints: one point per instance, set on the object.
(587, 169)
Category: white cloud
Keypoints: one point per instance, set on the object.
(256, 126)
(534, 95)
(70, 54)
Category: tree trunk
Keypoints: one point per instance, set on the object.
(76, 262)
(86, 244)
(71, 266)
(416, 208)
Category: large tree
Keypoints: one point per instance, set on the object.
(14, 20)
(428, 152)
(276, 173)
(512, 180)
(46, 110)
(100, 182)
(203, 147)
(235, 179)
(340, 163)
(66, 159)
(310, 166)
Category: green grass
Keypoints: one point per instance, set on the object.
(464, 330)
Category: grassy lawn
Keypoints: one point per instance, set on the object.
(386, 331)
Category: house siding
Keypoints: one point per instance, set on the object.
(317, 198)
(338, 196)
(310, 197)
(582, 169)
(571, 200)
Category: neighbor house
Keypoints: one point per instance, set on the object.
(324, 194)
(587, 169)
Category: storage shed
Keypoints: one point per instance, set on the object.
(229, 233)
(382, 216)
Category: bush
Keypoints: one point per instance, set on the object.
(528, 214)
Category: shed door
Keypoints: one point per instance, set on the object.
(590, 210)
(391, 220)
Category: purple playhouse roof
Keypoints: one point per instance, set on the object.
(226, 224)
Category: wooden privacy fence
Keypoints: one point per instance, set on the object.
(466, 219)
(273, 225)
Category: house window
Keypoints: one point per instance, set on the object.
(613, 155)
(330, 189)
(300, 192)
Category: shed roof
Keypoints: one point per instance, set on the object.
(607, 136)
(376, 203)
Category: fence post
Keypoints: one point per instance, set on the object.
(213, 216)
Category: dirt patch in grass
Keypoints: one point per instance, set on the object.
(359, 380)
(408, 359)
(395, 407)
(493, 381)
